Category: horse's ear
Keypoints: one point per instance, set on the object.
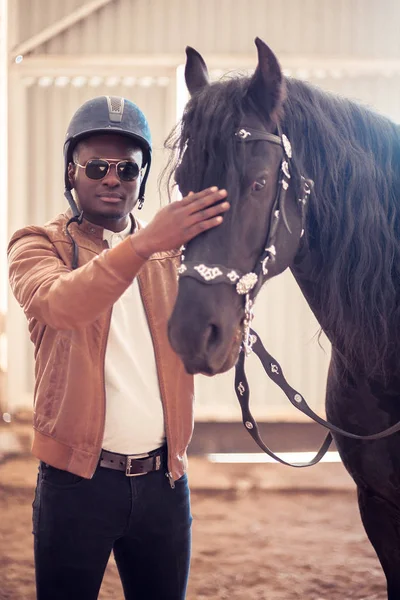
(196, 73)
(266, 87)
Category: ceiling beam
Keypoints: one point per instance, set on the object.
(121, 64)
(59, 26)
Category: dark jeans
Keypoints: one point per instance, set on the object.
(78, 522)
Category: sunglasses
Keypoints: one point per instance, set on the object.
(97, 168)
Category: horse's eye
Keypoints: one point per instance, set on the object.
(258, 185)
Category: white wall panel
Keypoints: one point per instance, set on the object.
(35, 15)
(327, 27)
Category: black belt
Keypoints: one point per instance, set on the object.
(135, 464)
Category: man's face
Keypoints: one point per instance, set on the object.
(106, 201)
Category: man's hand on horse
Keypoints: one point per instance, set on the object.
(180, 221)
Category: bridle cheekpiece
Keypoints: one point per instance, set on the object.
(248, 284)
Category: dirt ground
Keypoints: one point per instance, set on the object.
(259, 533)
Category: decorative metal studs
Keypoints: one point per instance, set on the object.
(248, 338)
(298, 398)
(271, 253)
(246, 283)
(181, 269)
(233, 276)
(274, 368)
(243, 133)
(308, 185)
(285, 184)
(241, 388)
(271, 250)
(208, 273)
(287, 146)
(249, 425)
(285, 168)
(248, 343)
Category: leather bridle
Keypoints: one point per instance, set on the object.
(248, 284)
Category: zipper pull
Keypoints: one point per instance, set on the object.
(171, 480)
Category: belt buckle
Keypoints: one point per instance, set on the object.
(129, 460)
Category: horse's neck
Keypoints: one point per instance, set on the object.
(302, 271)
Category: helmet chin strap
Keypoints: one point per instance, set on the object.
(75, 210)
(143, 183)
(77, 217)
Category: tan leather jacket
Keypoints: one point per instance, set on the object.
(69, 316)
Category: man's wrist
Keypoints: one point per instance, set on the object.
(140, 245)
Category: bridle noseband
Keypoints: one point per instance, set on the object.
(248, 284)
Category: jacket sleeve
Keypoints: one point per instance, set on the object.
(50, 292)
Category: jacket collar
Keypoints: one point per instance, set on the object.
(91, 230)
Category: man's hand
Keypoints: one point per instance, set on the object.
(180, 221)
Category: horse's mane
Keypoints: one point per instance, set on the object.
(218, 109)
(353, 155)
(353, 229)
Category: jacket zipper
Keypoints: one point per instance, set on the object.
(166, 422)
(104, 350)
(170, 479)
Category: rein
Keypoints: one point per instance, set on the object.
(248, 284)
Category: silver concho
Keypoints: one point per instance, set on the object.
(249, 425)
(232, 276)
(208, 273)
(243, 133)
(274, 368)
(287, 146)
(298, 398)
(246, 283)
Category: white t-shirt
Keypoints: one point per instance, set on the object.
(134, 414)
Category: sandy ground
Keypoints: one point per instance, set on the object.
(263, 532)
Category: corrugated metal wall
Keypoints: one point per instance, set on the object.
(43, 102)
(325, 27)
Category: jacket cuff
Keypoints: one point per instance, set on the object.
(124, 260)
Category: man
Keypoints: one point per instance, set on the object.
(113, 403)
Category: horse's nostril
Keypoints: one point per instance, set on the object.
(212, 336)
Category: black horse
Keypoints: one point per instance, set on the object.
(236, 134)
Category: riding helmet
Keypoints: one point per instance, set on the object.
(107, 114)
